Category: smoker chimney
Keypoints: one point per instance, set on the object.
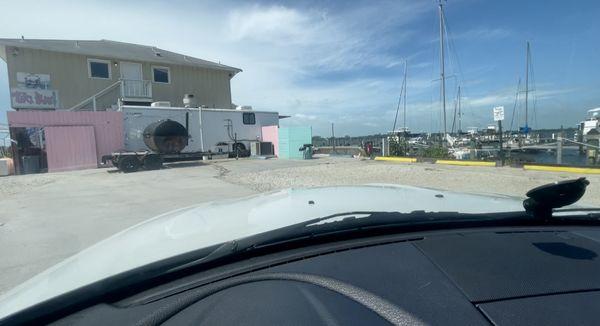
(189, 101)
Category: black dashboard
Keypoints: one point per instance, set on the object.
(501, 276)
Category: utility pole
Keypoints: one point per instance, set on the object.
(442, 72)
(526, 89)
(559, 146)
(332, 138)
(501, 140)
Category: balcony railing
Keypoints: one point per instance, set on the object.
(136, 88)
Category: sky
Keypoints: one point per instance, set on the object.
(342, 62)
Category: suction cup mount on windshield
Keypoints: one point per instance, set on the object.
(543, 199)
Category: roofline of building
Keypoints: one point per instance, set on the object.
(217, 66)
(178, 108)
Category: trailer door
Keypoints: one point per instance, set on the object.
(70, 148)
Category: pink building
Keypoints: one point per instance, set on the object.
(63, 140)
(271, 134)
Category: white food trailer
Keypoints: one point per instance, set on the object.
(209, 132)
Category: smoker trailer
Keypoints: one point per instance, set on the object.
(154, 135)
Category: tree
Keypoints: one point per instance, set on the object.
(436, 151)
(398, 146)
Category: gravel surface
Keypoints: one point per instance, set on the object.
(337, 171)
(12, 185)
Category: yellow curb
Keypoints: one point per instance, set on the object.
(396, 159)
(465, 163)
(562, 169)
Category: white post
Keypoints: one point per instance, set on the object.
(94, 103)
(559, 149)
(201, 128)
(149, 88)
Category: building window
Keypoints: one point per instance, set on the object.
(249, 118)
(161, 75)
(99, 68)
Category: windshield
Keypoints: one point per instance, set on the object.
(161, 129)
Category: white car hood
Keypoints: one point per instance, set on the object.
(200, 226)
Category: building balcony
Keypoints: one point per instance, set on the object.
(136, 89)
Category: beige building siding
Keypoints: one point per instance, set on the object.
(69, 75)
(210, 87)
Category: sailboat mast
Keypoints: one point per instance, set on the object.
(404, 83)
(442, 72)
(527, 89)
(459, 113)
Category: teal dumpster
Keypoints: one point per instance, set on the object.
(291, 139)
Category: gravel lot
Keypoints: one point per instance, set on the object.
(45, 218)
(339, 171)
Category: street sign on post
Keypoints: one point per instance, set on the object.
(499, 116)
(499, 113)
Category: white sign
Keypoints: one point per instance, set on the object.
(31, 98)
(37, 81)
(499, 113)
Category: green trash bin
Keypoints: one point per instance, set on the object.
(307, 151)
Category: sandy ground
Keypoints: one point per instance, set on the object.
(45, 218)
(488, 180)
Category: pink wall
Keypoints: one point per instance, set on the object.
(107, 127)
(70, 148)
(271, 134)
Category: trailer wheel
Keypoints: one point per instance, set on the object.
(153, 162)
(129, 163)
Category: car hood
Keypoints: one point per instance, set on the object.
(200, 226)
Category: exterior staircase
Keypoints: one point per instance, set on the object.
(122, 92)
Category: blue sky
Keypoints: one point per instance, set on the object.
(342, 61)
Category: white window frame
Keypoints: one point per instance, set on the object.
(168, 74)
(90, 60)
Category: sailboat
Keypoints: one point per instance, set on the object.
(526, 129)
(443, 77)
(402, 100)
(457, 112)
(455, 146)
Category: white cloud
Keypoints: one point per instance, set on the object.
(483, 34)
(506, 96)
(303, 116)
(490, 100)
(283, 49)
(271, 24)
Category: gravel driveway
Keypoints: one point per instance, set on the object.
(346, 171)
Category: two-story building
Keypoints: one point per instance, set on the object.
(96, 75)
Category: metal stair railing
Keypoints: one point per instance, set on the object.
(93, 99)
